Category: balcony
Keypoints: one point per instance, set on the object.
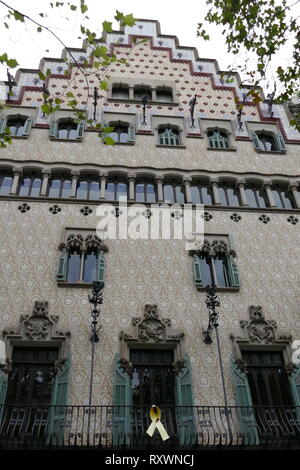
(107, 427)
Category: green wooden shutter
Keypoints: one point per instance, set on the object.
(245, 414)
(58, 408)
(122, 401)
(2, 125)
(295, 389)
(131, 133)
(3, 390)
(80, 129)
(100, 267)
(27, 127)
(62, 266)
(233, 273)
(197, 270)
(280, 142)
(53, 129)
(184, 405)
(256, 141)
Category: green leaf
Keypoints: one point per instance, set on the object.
(18, 16)
(41, 75)
(83, 7)
(12, 63)
(73, 7)
(103, 85)
(39, 29)
(108, 129)
(107, 26)
(108, 141)
(58, 101)
(125, 20)
(48, 72)
(100, 51)
(46, 109)
(70, 94)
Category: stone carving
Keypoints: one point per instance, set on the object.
(216, 247)
(259, 329)
(77, 242)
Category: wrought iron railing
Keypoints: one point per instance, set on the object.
(121, 426)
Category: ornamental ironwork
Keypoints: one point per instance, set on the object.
(24, 207)
(264, 218)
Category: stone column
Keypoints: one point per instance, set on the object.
(267, 186)
(103, 179)
(160, 193)
(131, 94)
(294, 187)
(241, 186)
(187, 185)
(153, 94)
(17, 174)
(46, 175)
(75, 175)
(214, 185)
(131, 179)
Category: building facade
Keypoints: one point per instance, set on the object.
(57, 171)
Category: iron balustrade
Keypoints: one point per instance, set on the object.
(122, 426)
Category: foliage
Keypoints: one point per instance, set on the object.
(263, 28)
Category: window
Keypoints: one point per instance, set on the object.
(168, 136)
(218, 139)
(256, 197)
(6, 180)
(19, 126)
(30, 185)
(116, 190)
(164, 94)
(173, 192)
(67, 129)
(268, 142)
(60, 186)
(214, 264)
(282, 198)
(141, 91)
(228, 194)
(145, 191)
(201, 193)
(123, 132)
(82, 259)
(120, 92)
(88, 188)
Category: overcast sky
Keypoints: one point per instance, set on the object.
(28, 46)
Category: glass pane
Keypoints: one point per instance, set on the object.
(222, 196)
(74, 262)
(151, 197)
(206, 195)
(36, 187)
(168, 193)
(276, 197)
(123, 136)
(262, 198)
(121, 191)
(25, 187)
(94, 190)
(140, 192)
(82, 190)
(221, 272)
(287, 199)
(250, 196)
(121, 93)
(63, 133)
(205, 268)
(195, 195)
(90, 267)
(110, 191)
(5, 185)
(114, 136)
(179, 194)
(66, 191)
(54, 190)
(73, 133)
(232, 197)
(267, 142)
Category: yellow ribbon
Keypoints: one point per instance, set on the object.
(156, 423)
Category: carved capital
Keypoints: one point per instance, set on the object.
(131, 177)
(46, 172)
(75, 173)
(214, 182)
(159, 179)
(240, 182)
(17, 171)
(187, 180)
(293, 185)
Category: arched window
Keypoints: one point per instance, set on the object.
(168, 136)
(228, 194)
(19, 126)
(173, 192)
(256, 196)
(145, 191)
(82, 259)
(123, 132)
(6, 180)
(282, 197)
(30, 184)
(116, 189)
(141, 91)
(201, 193)
(67, 129)
(120, 91)
(218, 139)
(88, 187)
(164, 94)
(60, 186)
(268, 141)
